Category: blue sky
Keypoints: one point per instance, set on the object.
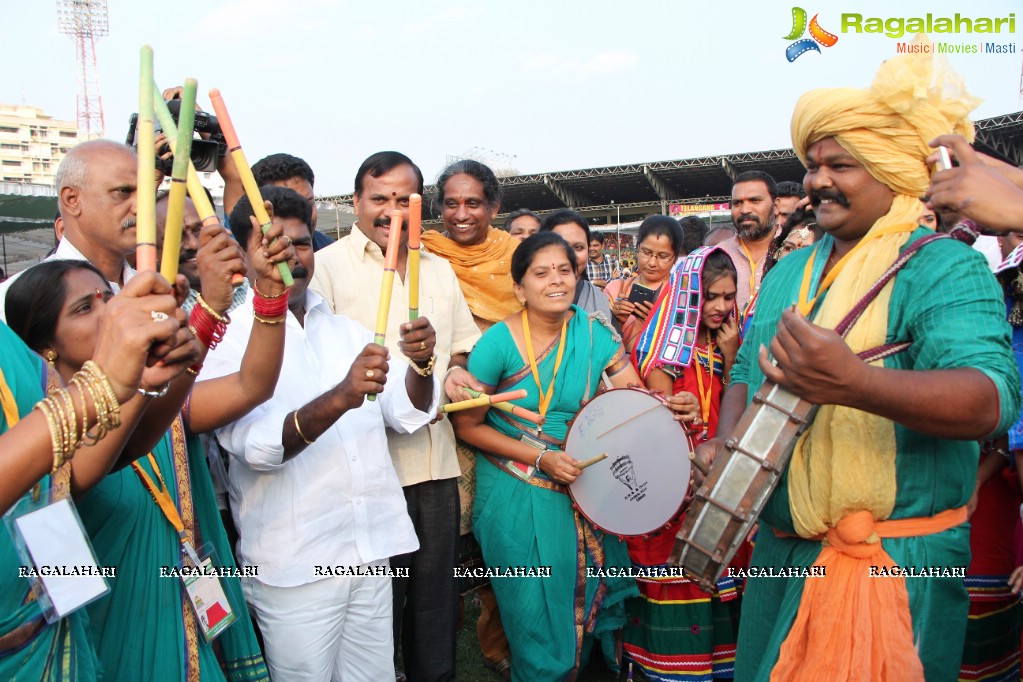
(557, 85)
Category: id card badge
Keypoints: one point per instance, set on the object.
(202, 585)
(56, 556)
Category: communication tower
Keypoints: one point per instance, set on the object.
(85, 21)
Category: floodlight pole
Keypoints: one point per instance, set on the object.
(618, 230)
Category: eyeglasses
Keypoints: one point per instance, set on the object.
(660, 257)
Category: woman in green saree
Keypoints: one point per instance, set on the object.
(523, 515)
(146, 627)
(30, 648)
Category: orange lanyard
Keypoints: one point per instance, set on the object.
(805, 303)
(706, 396)
(545, 397)
(753, 267)
(163, 500)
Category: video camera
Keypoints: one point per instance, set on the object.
(205, 153)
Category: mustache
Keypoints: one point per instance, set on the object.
(299, 272)
(128, 223)
(817, 196)
(750, 216)
(186, 256)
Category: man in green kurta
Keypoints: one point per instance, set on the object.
(881, 479)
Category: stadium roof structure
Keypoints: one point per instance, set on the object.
(598, 192)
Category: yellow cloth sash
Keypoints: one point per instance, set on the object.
(483, 271)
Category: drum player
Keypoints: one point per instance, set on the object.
(893, 446)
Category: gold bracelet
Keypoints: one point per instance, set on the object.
(216, 316)
(425, 371)
(298, 429)
(193, 372)
(85, 389)
(70, 420)
(273, 322)
(255, 287)
(112, 407)
(55, 436)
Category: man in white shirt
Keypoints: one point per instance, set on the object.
(96, 192)
(314, 495)
(348, 275)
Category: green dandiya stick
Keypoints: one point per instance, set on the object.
(387, 285)
(145, 212)
(179, 172)
(207, 214)
(245, 172)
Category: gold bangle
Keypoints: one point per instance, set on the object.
(255, 287)
(424, 371)
(55, 435)
(193, 372)
(298, 429)
(216, 316)
(273, 322)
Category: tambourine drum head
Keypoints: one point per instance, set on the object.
(642, 483)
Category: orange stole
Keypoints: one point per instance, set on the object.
(864, 624)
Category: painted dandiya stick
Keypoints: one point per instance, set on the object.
(482, 399)
(145, 212)
(179, 171)
(203, 206)
(415, 218)
(511, 408)
(387, 285)
(245, 172)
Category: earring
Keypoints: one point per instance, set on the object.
(51, 357)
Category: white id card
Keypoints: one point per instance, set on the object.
(202, 585)
(52, 538)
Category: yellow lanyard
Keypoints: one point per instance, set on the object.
(545, 397)
(805, 305)
(753, 265)
(10, 407)
(163, 500)
(705, 396)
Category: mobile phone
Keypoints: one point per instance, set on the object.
(641, 294)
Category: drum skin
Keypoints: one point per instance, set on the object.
(641, 484)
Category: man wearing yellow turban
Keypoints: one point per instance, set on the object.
(882, 477)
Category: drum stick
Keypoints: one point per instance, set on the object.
(207, 214)
(175, 219)
(590, 462)
(510, 408)
(415, 218)
(145, 215)
(482, 400)
(390, 264)
(637, 416)
(245, 172)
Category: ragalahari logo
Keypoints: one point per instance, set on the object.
(817, 35)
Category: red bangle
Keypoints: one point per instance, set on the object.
(276, 306)
(208, 330)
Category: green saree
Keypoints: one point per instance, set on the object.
(29, 648)
(529, 521)
(146, 629)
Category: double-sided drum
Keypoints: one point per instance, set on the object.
(642, 482)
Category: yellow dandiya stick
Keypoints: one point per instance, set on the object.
(207, 214)
(179, 171)
(245, 172)
(483, 399)
(390, 265)
(590, 462)
(415, 218)
(511, 408)
(145, 212)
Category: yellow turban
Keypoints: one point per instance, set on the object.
(886, 127)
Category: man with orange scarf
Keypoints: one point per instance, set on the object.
(879, 483)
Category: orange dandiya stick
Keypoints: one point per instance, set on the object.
(415, 217)
(207, 214)
(390, 265)
(245, 172)
(145, 214)
(176, 199)
(508, 407)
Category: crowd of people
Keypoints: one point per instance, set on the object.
(271, 494)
